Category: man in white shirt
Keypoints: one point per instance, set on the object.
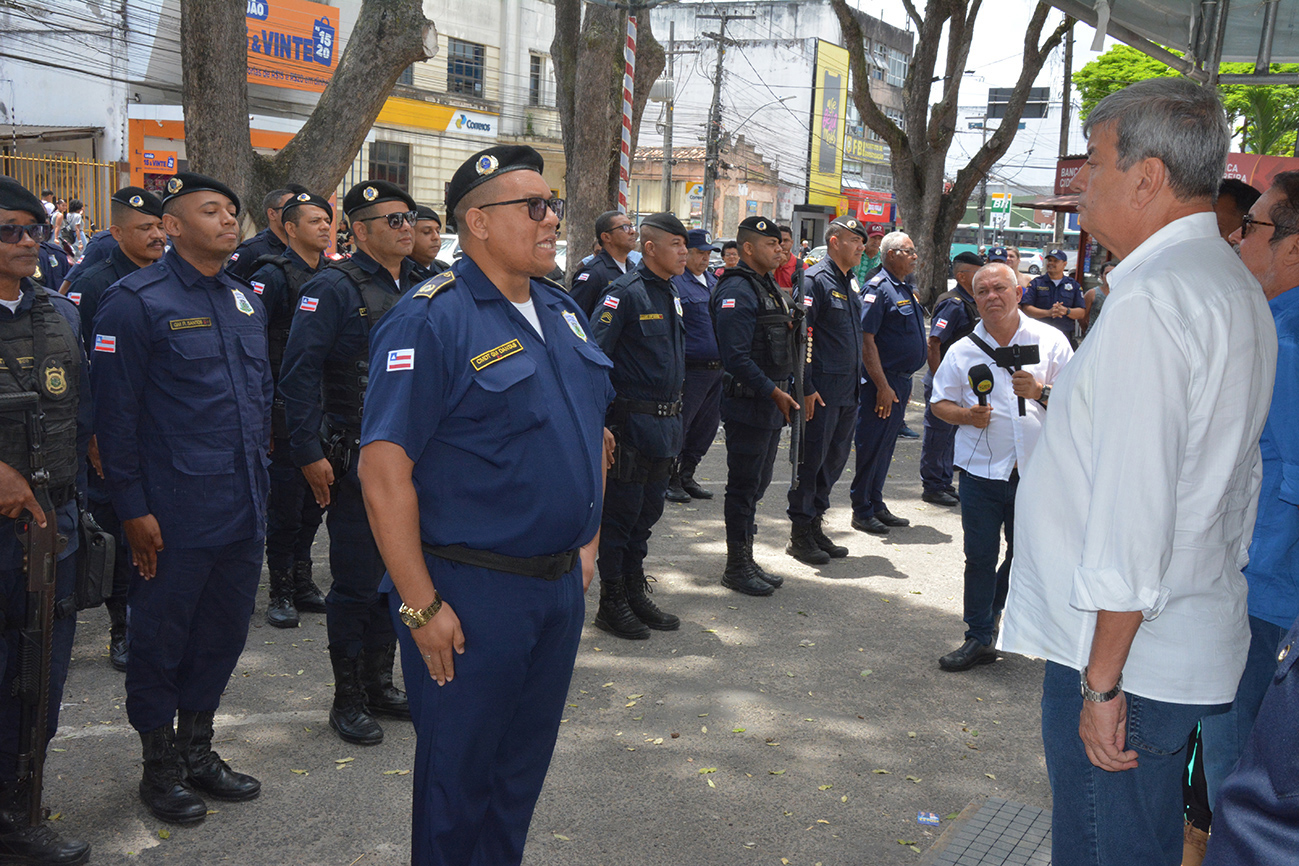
(1135, 513)
(993, 441)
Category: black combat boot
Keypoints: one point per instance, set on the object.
(22, 843)
(117, 653)
(615, 614)
(165, 787)
(774, 580)
(675, 493)
(307, 597)
(207, 771)
(382, 698)
(836, 551)
(348, 716)
(281, 612)
(690, 485)
(638, 590)
(803, 547)
(739, 574)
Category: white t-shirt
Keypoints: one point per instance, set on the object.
(12, 305)
(529, 311)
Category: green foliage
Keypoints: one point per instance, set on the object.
(1263, 116)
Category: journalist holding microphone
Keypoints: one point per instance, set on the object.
(998, 412)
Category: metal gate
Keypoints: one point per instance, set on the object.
(70, 178)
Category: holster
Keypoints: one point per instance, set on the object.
(632, 467)
(731, 387)
(95, 562)
(341, 449)
(279, 419)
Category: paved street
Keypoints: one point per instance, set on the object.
(805, 728)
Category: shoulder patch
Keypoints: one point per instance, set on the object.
(434, 285)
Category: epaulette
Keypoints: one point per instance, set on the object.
(155, 273)
(434, 285)
(554, 285)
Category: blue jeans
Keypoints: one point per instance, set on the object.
(1101, 818)
(987, 509)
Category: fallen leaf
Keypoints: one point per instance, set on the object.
(906, 841)
(737, 730)
(881, 772)
(953, 816)
(164, 834)
(630, 704)
(867, 672)
(396, 772)
(703, 715)
(634, 697)
(703, 729)
(56, 816)
(915, 779)
(710, 783)
(824, 787)
(606, 685)
(658, 741)
(822, 821)
(843, 799)
(561, 837)
(675, 735)
(990, 776)
(300, 772)
(710, 631)
(914, 848)
(344, 760)
(806, 643)
(703, 771)
(637, 718)
(775, 772)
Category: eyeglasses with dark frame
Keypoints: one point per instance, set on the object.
(39, 232)
(1249, 220)
(537, 206)
(394, 219)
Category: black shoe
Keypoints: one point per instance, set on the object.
(41, 845)
(206, 770)
(888, 518)
(615, 614)
(774, 580)
(907, 433)
(382, 698)
(803, 547)
(869, 524)
(281, 611)
(741, 574)
(836, 551)
(969, 654)
(638, 590)
(165, 786)
(691, 486)
(675, 492)
(940, 497)
(348, 716)
(117, 648)
(307, 597)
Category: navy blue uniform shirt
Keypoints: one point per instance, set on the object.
(89, 284)
(54, 265)
(833, 311)
(99, 247)
(701, 339)
(505, 428)
(327, 325)
(639, 326)
(183, 402)
(1043, 293)
(890, 312)
(735, 309)
(951, 317)
(243, 261)
(592, 278)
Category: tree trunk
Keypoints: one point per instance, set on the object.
(388, 36)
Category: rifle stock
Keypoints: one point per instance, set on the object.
(797, 417)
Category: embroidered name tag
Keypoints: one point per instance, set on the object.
(839, 295)
(186, 324)
(650, 317)
(491, 356)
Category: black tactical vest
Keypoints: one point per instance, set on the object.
(971, 319)
(46, 352)
(345, 379)
(278, 328)
(773, 332)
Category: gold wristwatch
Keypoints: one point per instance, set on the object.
(420, 618)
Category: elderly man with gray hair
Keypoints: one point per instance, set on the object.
(1135, 511)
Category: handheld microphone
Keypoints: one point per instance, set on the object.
(981, 382)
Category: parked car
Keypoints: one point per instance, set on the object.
(1030, 262)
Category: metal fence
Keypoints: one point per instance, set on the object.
(70, 178)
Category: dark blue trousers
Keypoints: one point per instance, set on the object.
(701, 412)
(936, 450)
(750, 460)
(356, 615)
(876, 439)
(630, 512)
(987, 510)
(483, 742)
(827, 440)
(13, 585)
(292, 515)
(187, 627)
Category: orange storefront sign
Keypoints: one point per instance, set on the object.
(292, 43)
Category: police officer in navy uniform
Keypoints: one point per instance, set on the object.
(135, 219)
(616, 234)
(701, 399)
(269, 241)
(328, 356)
(482, 469)
(292, 514)
(1055, 298)
(40, 345)
(955, 315)
(639, 325)
(832, 308)
(755, 335)
(99, 247)
(893, 348)
(182, 416)
(426, 242)
(53, 266)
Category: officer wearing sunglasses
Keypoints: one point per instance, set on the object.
(327, 355)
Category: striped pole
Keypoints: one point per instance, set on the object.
(628, 77)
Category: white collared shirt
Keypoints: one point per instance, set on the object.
(1008, 439)
(1142, 492)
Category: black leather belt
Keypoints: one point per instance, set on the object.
(703, 365)
(647, 407)
(550, 567)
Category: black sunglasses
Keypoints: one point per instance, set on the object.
(39, 232)
(537, 206)
(394, 219)
(1248, 220)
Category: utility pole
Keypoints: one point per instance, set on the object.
(1065, 111)
(713, 132)
(667, 126)
(983, 187)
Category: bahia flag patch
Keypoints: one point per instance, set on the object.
(728, 303)
(942, 323)
(75, 297)
(611, 302)
(401, 359)
(105, 343)
(258, 288)
(308, 304)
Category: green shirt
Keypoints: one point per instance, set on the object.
(867, 264)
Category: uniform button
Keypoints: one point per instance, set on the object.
(1285, 652)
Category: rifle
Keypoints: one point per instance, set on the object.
(802, 354)
(40, 560)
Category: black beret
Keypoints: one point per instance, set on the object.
(140, 199)
(186, 182)
(967, 258)
(306, 198)
(296, 188)
(851, 223)
(666, 222)
(761, 225)
(424, 212)
(371, 192)
(15, 196)
(486, 165)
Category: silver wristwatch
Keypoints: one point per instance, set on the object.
(1090, 694)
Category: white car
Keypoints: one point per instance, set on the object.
(1031, 262)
